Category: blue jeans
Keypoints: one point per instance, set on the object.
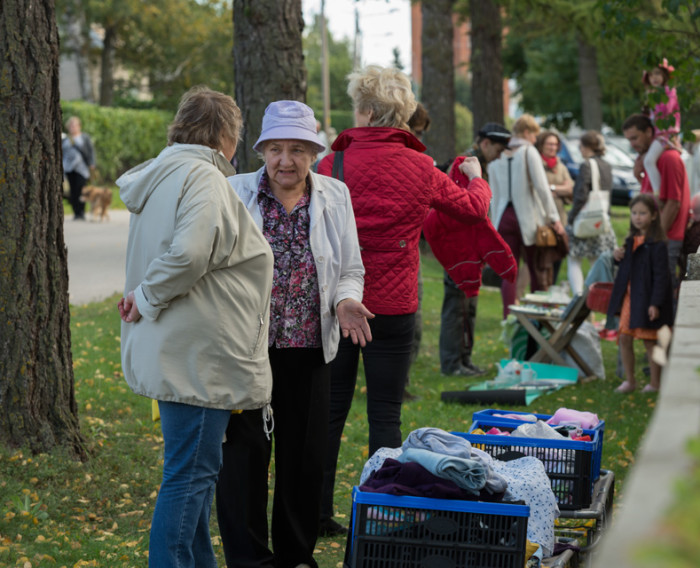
(180, 527)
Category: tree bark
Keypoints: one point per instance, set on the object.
(591, 95)
(486, 63)
(107, 74)
(438, 88)
(268, 64)
(37, 400)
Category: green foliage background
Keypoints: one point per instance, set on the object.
(123, 138)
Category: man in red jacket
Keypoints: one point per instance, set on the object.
(674, 194)
(458, 316)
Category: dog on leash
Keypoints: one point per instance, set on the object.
(99, 198)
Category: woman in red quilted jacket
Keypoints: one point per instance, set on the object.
(392, 184)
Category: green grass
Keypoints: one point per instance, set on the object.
(57, 512)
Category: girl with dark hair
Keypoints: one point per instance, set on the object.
(642, 293)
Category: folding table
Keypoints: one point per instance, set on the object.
(562, 327)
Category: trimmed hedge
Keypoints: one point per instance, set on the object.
(123, 137)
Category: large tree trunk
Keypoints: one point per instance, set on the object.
(486, 63)
(37, 402)
(438, 88)
(107, 75)
(591, 95)
(268, 64)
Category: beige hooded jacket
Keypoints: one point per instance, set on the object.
(201, 271)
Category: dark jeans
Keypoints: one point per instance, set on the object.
(457, 322)
(300, 396)
(77, 183)
(386, 362)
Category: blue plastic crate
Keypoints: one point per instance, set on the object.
(488, 415)
(389, 531)
(572, 466)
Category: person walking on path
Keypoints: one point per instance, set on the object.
(458, 314)
(78, 164)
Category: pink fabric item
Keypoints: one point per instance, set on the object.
(586, 420)
(664, 110)
(496, 432)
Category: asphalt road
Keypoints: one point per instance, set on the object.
(96, 256)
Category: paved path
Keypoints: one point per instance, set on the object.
(96, 256)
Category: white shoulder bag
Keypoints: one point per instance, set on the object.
(593, 219)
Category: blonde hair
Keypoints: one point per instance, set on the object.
(526, 123)
(205, 117)
(386, 93)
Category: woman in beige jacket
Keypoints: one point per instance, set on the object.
(195, 313)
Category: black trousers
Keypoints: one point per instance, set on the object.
(77, 183)
(300, 396)
(386, 361)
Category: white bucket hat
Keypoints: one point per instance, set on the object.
(289, 120)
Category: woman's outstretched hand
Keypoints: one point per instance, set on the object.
(128, 310)
(353, 316)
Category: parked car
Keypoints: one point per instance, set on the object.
(625, 185)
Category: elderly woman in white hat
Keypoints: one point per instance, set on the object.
(316, 295)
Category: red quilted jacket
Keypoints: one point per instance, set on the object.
(393, 185)
(463, 249)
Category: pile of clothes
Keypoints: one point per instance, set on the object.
(436, 464)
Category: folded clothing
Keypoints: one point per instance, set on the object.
(411, 478)
(439, 441)
(468, 474)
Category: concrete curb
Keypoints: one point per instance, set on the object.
(662, 457)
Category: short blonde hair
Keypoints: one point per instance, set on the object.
(386, 93)
(526, 123)
(205, 117)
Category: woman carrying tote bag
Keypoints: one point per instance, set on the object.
(589, 230)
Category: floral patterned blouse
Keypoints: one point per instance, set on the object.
(295, 307)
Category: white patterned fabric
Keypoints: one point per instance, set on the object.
(527, 481)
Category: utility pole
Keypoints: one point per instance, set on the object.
(325, 72)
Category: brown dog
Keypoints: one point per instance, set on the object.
(99, 199)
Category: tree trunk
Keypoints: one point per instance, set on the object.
(37, 403)
(591, 95)
(438, 88)
(107, 75)
(486, 63)
(268, 64)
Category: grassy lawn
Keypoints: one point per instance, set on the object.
(57, 512)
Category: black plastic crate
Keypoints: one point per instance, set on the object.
(572, 466)
(388, 531)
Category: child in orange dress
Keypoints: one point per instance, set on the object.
(642, 293)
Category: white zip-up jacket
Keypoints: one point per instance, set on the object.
(531, 197)
(334, 244)
(202, 275)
